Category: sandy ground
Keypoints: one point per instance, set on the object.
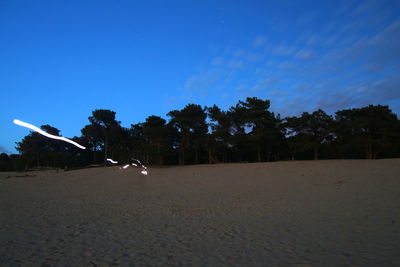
(300, 213)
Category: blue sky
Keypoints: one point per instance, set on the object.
(60, 60)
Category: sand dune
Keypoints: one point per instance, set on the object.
(306, 213)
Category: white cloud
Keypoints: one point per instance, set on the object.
(330, 26)
(390, 33)
(253, 57)
(217, 61)
(306, 18)
(236, 64)
(312, 40)
(239, 53)
(241, 87)
(4, 150)
(204, 80)
(262, 71)
(214, 48)
(325, 69)
(286, 65)
(364, 8)
(304, 54)
(260, 40)
(282, 50)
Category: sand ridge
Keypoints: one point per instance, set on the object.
(318, 213)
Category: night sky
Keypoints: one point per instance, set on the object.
(60, 60)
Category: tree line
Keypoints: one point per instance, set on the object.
(246, 132)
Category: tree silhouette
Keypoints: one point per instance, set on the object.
(221, 127)
(191, 125)
(247, 131)
(54, 148)
(155, 132)
(104, 122)
(5, 163)
(376, 128)
(43, 150)
(137, 142)
(311, 130)
(91, 137)
(123, 145)
(256, 124)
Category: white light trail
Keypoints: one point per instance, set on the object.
(112, 161)
(144, 171)
(36, 129)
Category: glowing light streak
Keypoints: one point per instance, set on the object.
(112, 161)
(144, 171)
(36, 129)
